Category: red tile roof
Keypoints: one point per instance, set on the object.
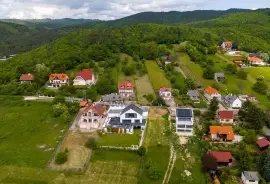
(96, 108)
(221, 156)
(83, 103)
(255, 59)
(85, 74)
(210, 90)
(27, 77)
(60, 76)
(227, 43)
(163, 89)
(125, 86)
(225, 114)
(263, 142)
(225, 130)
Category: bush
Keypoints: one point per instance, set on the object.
(61, 157)
(91, 143)
(142, 151)
(242, 75)
(59, 99)
(59, 109)
(197, 112)
(154, 174)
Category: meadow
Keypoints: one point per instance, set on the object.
(156, 75)
(143, 87)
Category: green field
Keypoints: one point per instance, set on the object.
(122, 140)
(156, 75)
(157, 147)
(143, 87)
(259, 71)
(188, 159)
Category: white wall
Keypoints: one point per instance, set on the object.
(247, 181)
(237, 103)
(123, 116)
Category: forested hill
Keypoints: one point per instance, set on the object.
(49, 23)
(249, 30)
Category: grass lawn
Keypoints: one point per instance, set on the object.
(121, 75)
(110, 167)
(157, 146)
(180, 80)
(189, 159)
(143, 87)
(156, 75)
(258, 71)
(124, 140)
(24, 127)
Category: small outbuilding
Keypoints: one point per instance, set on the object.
(219, 77)
(263, 144)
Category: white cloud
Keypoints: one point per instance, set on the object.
(108, 9)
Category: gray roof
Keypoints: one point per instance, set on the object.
(193, 93)
(219, 75)
(251, 175)
(133, 107)
(184, 113)
(112, 97)
(229, 99)
(115, 123)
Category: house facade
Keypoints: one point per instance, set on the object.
(232, 101)
(226, 46)
(127, 118)
(256, 61)
(193, 95)
(221, 133)
(165, 93)
(250, 177)
(57, 80)
(91, 117)
(26, 78)
(211, 92)
(84, 78)
(184, 122)
(225, 117)
(223, 158)
(219, 77)
(126, 89)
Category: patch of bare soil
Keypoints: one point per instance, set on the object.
(156, 113)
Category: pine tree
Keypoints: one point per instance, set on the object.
(266, 167)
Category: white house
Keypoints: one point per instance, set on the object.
(57, 80)
(232, 101)
(91, 117)
(250, 177)
(84, 77)
(184, 122)
(226, 46)
(126, 89)
(165, 93)
(127, 117)
(211, 92)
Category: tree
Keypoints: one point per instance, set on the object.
(242, 75)
(266, 167)
(244, 160)
(59, 99)
(159, 101)
(208, 73)
(209, 163)
(91, 93)
(213, 107)
(231, 68)
(142, 151)
(91, 143)
(260, 87)
(189, 84)
(61, 157)
(59, 109)
(149, 97)
(264, 56)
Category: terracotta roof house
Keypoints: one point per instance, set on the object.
(263, 144)
(83, 103)
(223, 158)
(91, 117)
(84, 78)
(58, 79)
(126, 89)
(225, 117)
(165, 93)
(256, 61)
(211, 92)
(226, 46)
(26, 78)
(221, 133)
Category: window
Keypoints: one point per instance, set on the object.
(130, 115)
(181, 126)
(180, 130)
(95, 114)
(189, 126)
(137, 121)
(126, 121)
(188, 130)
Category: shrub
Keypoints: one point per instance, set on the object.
(197, 112)
(141, 150)
(154, 174)
(91, 143)
(59, 109)
(59, 99)
(61, 157)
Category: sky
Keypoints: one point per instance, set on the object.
(112, 9)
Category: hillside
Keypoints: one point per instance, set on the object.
(49, 23)
(243, 28)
